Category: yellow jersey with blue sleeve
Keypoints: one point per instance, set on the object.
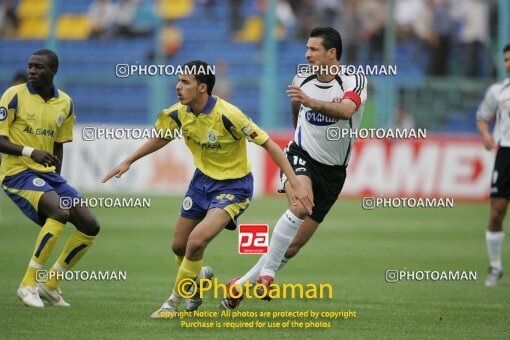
(216, 137)
(28, 120)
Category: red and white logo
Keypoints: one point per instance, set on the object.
(253, 238)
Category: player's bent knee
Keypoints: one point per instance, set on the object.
(89, 227)
(195, 246)
(178, 248)
(94, 228)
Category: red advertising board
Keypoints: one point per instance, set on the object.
(438, 166)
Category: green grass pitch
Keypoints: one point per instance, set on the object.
(351, 251)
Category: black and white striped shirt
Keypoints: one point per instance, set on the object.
(311, 131)
(497, 102)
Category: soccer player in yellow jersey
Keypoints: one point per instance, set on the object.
(36, 119)
(215, 131)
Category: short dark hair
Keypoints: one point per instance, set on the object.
(203, 73)
(507, 48)
(52, 57)
(330, 39)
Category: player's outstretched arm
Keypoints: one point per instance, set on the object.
(483, 128)
(343, 110)
(39, 156)
(299, 194)
(147, 148)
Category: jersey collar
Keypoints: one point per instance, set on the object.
(208, 106)
(32, 90)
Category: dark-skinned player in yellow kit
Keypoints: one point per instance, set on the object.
(36, 119)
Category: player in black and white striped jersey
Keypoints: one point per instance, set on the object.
(312, 125)
(497, 103)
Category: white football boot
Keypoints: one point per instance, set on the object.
(28, 295)
(495, 275)
(53, 296)
(169, 310)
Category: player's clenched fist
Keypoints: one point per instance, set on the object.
(296, 94)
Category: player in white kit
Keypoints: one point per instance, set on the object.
(323, 103)
(497, 103)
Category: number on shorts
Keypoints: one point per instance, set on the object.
(299, 161)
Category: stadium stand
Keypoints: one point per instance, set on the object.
(127, 100)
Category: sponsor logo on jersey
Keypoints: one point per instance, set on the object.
(39, 132)
(205, 146)
(317, 118)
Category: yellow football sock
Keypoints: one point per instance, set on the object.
(178, 259)
(30, 275)
(77, 245)
(187, 270)
(48, 237)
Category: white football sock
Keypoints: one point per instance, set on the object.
(284, 232)
(283, 263)
(494, 246)
(254, 272)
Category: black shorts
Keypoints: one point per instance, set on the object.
(500, 180)
(327, 180)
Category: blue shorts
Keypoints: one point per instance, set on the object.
(204, 193)
(26, 188)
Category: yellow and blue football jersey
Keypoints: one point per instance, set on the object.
(216, 137)
(27, 120)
